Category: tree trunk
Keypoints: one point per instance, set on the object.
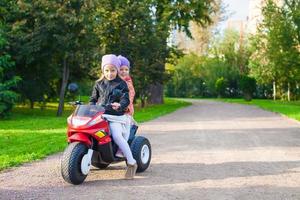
(247, 96)
(31, 104)
(65, 77)
(289, 92)
(156, 90)
(156, 93)
(274, 90)
(43, 104)
(143, 102)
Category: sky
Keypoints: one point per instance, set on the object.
(236, 9)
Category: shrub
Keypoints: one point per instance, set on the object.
(248, 87)
(221, 85)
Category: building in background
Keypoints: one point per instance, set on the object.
(255, 14)
(238, 25)
(198, 45)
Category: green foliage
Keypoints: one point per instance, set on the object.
(140, 29)
(276, 56)
(45, 35)
(248, 87)
(8, 80)
(186, 78)
(127, 28)
(221, 85)
(197, 75)
(57, 42)
(214, 69)
(232, 48)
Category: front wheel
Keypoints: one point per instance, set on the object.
(71, 163)
(141, 151)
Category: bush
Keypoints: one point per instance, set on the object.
(196, 76)
(221, 85)
(248, 87)
(186, 80)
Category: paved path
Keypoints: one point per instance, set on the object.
(210, 150)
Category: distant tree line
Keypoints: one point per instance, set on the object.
(263, 65)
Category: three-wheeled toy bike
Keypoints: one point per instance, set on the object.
(90, 143)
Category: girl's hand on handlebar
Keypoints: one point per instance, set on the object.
(115, 106)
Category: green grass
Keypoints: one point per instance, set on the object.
(33, 134)
(290, 109)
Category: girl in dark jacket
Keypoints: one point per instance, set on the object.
(103, 93)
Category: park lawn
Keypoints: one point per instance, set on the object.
(33, 134)
(290, 109)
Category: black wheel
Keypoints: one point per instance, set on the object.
(71, 163)
(100, 165)
(141, 151)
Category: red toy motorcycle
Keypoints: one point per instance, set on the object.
(91, 144)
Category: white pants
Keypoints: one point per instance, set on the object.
(130, 122)
(118, 128)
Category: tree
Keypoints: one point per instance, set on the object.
(8, 80)
(196, 75)
(248, 87)
(52, 39)
(276, 57)
(186, 77)
(201, 36)
(127, 28)
(175, 14)
(231, 56)
(75, 40)
(220, 86)
(233, 48)
(143, 28)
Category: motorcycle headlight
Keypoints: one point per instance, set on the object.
(95, 121)
(80, 121)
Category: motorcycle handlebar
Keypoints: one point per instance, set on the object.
(75, 103)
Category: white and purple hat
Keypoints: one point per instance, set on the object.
(110, 59)
(124, 61)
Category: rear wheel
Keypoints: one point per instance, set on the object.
(141, 151)
(71, 163)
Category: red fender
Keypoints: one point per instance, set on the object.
(80, 137)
